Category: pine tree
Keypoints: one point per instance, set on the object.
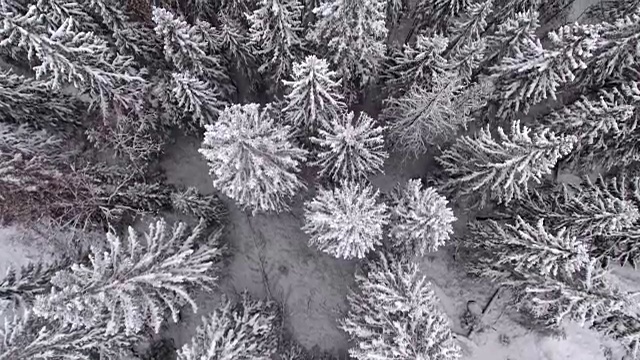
(467, 59)
(350, 149)
(67, 55)
(276, 31)
(616, 55)
(346, 222)
(468, 29)
(133, 282)
(420, 218)
(27, 336)
(526, 248)
(243, 330)
(394, 314)
(208, 207)
(356, 34)
(423, 117)
(252, 159)
(235, 42)
(612, 10)
(186, 47)
(417, 64)
(624, 328)
(598, 124)
(26, 100)
(482, 168)
(313, 97)
(197, 98)
(534, 73)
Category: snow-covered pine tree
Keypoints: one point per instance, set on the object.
(533, 73)
(438, 14)
(313, 97)
(66, 55)
(25, 100)
(277, 34)
(135, 282)
(526, 247)
(198, 99)
(243, 330)
(612, 10)
(345, 222)
(234, 41)
(593, 209)
(350, 148)
(509, 37)
(394, 314)
(619, 247)
(467, 59)
(599, 124)
(418, 63)
(252, 159)
(27, 336)
(420, 219)
(423, 117)
(616, 55)
(185, 46)
(356, 34)
(482, 168)
(624, 328)
(467, 30)
(208, 207)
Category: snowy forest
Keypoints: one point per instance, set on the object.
(320, 179)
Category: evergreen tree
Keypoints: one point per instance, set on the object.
(252, 159)
(197, 98)
(27, 336)
(598, 124)
(207, 207)
(526, 248)
(612, 10)
(622, 327)
(350, 149)
(235, 42)
(356, 34)
(243, 330)
(423, 117)
(346, 222)
(313, 97)
(421, 220)
(133, 282)
(394, 314)
(467, 30)
(276, 31)
(482, 168)
(534, 73)
(417, 64)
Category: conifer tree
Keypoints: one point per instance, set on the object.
(424, 117)
(420, 218)
(356, 34)
(313, 97)
(197, 98)
(482, 168)
(624, 328)
(133, 282)
(276, 31)
(394, 314)
(419, 63)
(528, 248)
(243, 330)
(346, 222)
(444, 11)
(534, 73)
(252, 159)
(599, 124)
(208, 207)
(27, 336)
(350, 149)
(467, 30)
(234, 41)
(612, 10)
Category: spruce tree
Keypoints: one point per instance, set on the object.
(624, 328)
(356, 34)
(276, 31)
(482, 168)
(394, 314)
(612, 10)
(252, 159)
(235, 43)
(205, 207)
(243, 330)
(345, 222)
(350, 148)
(133, 282)
(467, 30)
(421, 221)
(313, 98)
(198, 99)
